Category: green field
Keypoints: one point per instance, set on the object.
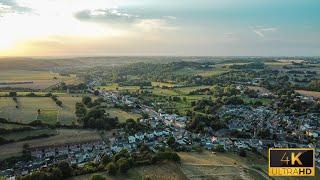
(40, 79)
(161, 84)
(116, 87)
(16, 136)
(27, 110)
(8, 126)
(122, 115)
(63, 136)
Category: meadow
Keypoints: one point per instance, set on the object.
(122, 115)
(27, 109)
(63, 136)
(38, 79)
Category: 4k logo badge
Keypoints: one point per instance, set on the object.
(291, 162)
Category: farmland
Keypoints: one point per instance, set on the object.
(309, 93)
(27, 110)
(34, 79)
(63, 136)
(122, 115)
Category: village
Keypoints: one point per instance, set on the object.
(162, 126)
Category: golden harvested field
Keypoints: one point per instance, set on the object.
(38, 79)
(63, 136)
(309, 93)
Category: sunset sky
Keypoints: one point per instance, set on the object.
(159, 27)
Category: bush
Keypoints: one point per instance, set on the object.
(65, 169)
(111, 168)
(97, 177)
(123, 165)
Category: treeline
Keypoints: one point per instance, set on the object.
(118, 163)
(92, 115)
(144, 73)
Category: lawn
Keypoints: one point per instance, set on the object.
(122, 115)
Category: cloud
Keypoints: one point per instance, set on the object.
(170, 17)
(11, 6)
(104, 15)
(154, 25)
(261, 31)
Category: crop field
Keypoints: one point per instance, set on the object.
(164, 92)
(115, 86)
(122, 115)
(63, 136)
(38, 79)
(162, 84)
(8, 126)
(48, 116)
(161, 171)
(16, 136)
(27, 110)
(187, 90)
(309, 93)
(207, 165)
(214, 72)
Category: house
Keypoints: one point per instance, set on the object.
(131, 139)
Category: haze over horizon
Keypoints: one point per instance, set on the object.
(151, 27)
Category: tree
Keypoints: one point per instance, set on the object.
(25, 151)
(111, 168)
(106, 159)
(59, 103)
(86, 100)
(97, 177)
(123, 165)
(13, 94)
(219, 148)
(81, 110)
(96, 93)
(56, 173)
(242, 153)
(65, 169)
(171, 141)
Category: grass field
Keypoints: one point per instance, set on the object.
(63, 136)
(122, 115)
(28, 109)
(40, 79)
(309, 93)
(115, 86)
(12, 126)
(16, 136)
(162, 84)
(48, 116)
(258, 88)
(161, 171)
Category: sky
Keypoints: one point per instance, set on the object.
(160, 27)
